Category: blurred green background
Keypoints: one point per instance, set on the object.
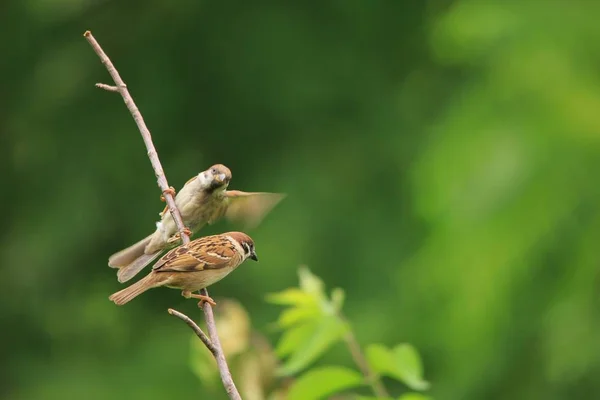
(440, 160)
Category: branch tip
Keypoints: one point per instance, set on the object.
(108, 88)
(87, 33)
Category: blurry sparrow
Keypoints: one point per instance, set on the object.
(203, 199)
(194, 266)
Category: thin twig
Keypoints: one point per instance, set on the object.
(139, 120)
(360, 360)
(220, 356)
(199, 332)
(107, 87)
(120, 87)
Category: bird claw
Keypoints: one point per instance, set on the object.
(205, 299)
(177, 237)
(170, 190)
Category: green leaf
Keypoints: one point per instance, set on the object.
(292, 316)
(294, 338)
(321, 382)
(337, 298)
(402, 363)
(380, 358)
(406, 396)
(292, 297)
(326, 332)
(310, 283)
(414, 396)
(409, 367)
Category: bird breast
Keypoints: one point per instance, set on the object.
(193, 281)
(202, 209)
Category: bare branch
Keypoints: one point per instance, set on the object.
(199, 332)
(168, 195)
(107, 87)
(220, 356)
(139, 120)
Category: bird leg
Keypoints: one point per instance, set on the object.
(176, 237)
(170, 190)
(203, 299)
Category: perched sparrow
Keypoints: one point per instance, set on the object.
(194, 266)
(203, 199)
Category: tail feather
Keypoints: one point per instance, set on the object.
(126, 273)
(126, 256)
(150, 281)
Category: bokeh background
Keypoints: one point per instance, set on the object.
(440, 157)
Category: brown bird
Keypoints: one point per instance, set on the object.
(195, 266)
(203, 199)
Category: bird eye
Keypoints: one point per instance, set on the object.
(246, 248)
(214, 170)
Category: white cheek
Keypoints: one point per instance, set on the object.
(237, 246)
(203, 179)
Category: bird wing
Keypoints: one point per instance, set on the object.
(250, 208)
(198, 255)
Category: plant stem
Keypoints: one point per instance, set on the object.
(360, 360)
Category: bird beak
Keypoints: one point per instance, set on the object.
(219, 178)
(254, 256)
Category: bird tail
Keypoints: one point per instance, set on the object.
(126, 273)
(126, 256)
(150, 281)
(132, 260)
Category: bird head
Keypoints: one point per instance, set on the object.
(216, 177)
(246, 243)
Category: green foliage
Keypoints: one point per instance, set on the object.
(323, 381)
(405, 396)
(402, 363)
(414, 396)
(311, 323)
(311, 343)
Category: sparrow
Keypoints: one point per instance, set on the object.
(194, 266)
(203, 199)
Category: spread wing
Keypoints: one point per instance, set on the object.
(250, 208)
(201, 254)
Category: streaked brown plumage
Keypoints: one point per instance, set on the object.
(203, 199)
(193, 267)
